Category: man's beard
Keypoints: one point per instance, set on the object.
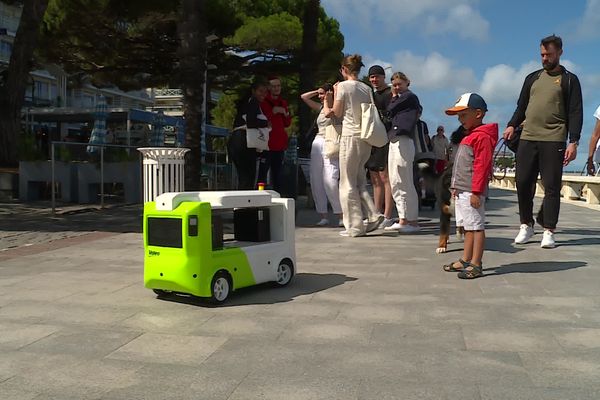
(548, 66)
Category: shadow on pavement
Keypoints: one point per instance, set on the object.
(268, 293)
(501, 245)
(534, 267)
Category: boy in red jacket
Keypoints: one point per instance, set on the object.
(472, 168)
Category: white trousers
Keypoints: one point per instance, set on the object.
(324, 178)
(354, 196)
(400, 169)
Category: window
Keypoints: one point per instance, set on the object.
(165, 232)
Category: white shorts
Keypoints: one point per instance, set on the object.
(471, 219)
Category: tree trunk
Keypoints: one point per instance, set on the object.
(12, 89)
(192, 68)
(307, 66)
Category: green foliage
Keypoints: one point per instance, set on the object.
(505, 162)
(28, 149)
(123, 43)
(276, 33)
(63, 153)
(133, 43)
(119, 155)
(224, 112)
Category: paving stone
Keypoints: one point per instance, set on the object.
(168, 349)
(304, 387)
(15, 336)
(393, 388)
(89, 344)
(510, 339)
(365, 318)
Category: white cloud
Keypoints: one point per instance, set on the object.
(588, 27)
(461, 20)
(434, 71)
(503, 82)
(427, 73)
(438, 16)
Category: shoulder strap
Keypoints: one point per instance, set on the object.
(312, 126)
(370, 92)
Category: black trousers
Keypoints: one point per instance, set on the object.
(545, 159)
(244, 160)
(271, 161)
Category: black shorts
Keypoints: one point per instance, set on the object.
(379, 158)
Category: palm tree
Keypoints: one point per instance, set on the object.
(307, 65)
(192, 67)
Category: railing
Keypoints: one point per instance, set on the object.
(131, 179)
(168, 92)
(577, 188)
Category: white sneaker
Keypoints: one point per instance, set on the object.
(409, 228)
(344, 233)
(525, 233)
(394, 227)
(323, 222)
(548, 240)
(341, 223)
(386, 222)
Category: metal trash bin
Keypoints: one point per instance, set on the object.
(163, 170)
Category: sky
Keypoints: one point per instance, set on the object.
(449, 47)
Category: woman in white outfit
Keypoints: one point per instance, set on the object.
(404, 112)
(354, 152)
(324, 171)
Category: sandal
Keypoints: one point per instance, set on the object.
(451, 268)
(471, 272)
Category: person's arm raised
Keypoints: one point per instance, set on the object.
(308, 99)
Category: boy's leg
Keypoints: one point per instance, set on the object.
(468, 246)
(478, 247)
(474, 224)
(461, 203)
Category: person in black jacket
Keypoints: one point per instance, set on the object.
(403, 111)
(550, 103)
(378, 162)
(249, 114)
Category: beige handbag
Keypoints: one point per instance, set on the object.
(372, 128)
(331, 146)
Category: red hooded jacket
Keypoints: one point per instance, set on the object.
(278, 138)
(473, 160)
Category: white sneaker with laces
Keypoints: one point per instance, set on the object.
(548, 240)
(525, 233)
(323, 222)
(394, 227)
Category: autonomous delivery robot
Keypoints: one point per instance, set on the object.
(208, 244)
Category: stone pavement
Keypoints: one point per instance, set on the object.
(365, 318)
